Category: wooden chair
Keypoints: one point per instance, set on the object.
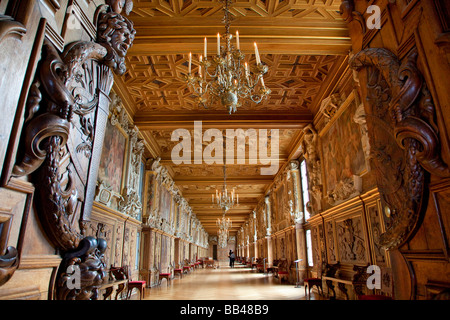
(275, 264)
(260, 265)
(283, 270)
(132, 284)
(164, 275)
(179, 271)
(186, 266)
(117, 277)
(311, 282)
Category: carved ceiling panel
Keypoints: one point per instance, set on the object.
(305, 9)
(155, 82)
(163, 139)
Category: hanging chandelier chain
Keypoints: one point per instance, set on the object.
(227, 21)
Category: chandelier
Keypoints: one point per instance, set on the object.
(225, 200)
(224, 226)
(227, 77)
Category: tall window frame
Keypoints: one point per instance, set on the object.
(304, 187)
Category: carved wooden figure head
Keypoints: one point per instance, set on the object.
(116, 33)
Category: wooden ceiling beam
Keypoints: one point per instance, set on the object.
(222, 120)
(180, 181)
(207, 195)
(163, 35)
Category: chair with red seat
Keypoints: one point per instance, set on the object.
(179, 271)
(132, 284)
(164, 275)
(309, 283)
(186, 266)
(283, 270)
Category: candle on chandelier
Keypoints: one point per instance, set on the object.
(237, 40)
(262, 82)
(204, 48)
(258, 60)
(246, 70)
(190, 61)
(218, 44)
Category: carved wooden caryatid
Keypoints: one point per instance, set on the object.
(63, 134)
(403, 137)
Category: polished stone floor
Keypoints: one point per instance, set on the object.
(225, 283)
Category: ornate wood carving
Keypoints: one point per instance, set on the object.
(403, 137)
(9, 262)
(351, 246)
(10, 28)
(87, 263)
(63, 132)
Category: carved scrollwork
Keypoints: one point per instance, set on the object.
(82, 271)
(347, 10)
(403, 137)
(10, 28)
(63, 131)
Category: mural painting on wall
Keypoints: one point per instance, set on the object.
(342, 149)
(150, 190)
(113, 158)
(164, 254)
(166, 200)
(141, 181)
(282, 203)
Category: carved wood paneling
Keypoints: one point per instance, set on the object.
(401, 69)
(270, 8)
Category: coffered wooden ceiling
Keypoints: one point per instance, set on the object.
(305, 44)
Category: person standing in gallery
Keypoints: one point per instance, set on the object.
(232, 258)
